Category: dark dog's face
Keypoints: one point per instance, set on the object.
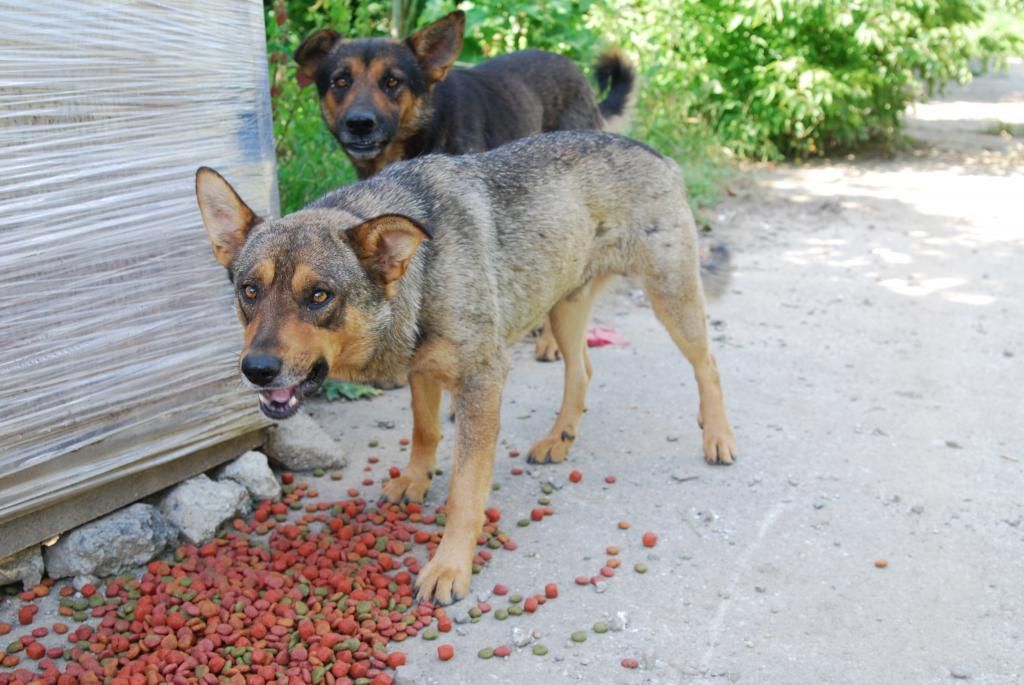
(312, 289)
(371, 89)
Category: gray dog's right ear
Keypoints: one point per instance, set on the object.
(227, 218)
(312, 52)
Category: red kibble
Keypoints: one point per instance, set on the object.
(444, 624)
(575, 476)
(517, 472)
(367, 481)
(624, 525)
(492, 514)
(287, 477)
(445, 652)
(650, 539)
(531, 604)
(26, 613)
(58, 628)
(40, 632)
(881, 563)
(373, 460)
(35, 651)
(5, 628)
(502, 651)
(536, 514)
(513, 453)
(500, 590)
(610, 479)
(396, 659)
(551, 590)
(582, 580)
(403, 442)
(394, 472)
(607, 571)
(630, 663)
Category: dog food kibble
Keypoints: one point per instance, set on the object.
(575, 476)
(607, 571)
(287, 477)
(600, 628)
(319, 472)
(500, 590)
(517, 472)
(579, 636)
(551, 590)
(486, 653)
(501, 614)
(523, 523)
(403, 441)
(26, 613)
(613, 563)
(640, 567)
(531, 604)
(881, 563)
(502, 651)
(582, 580)
(630, 663)
(513, 453)
(445, 652)
(492, 514)
(650, 539)
(610, 479)
(540, 650)
(5, 628)
(394, 472)
(612, 550)
(374, 443)
(537, 514)
(624, 525)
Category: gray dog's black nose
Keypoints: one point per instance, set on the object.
(261, 369)
(360, 123)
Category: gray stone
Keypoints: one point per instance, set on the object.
(26, 566)
(409, 674)
(521, 636)
(301, 444)
(110, 545)
(959, 673)
(252, 470)
(199, 505)
(620, 621)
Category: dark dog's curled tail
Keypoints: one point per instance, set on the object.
(715, 267)
(617, 78)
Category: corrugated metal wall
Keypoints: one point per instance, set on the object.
(117, 337)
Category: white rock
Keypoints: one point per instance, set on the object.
(300, 444)
(252, 470)
(117, 542)
(26, 566)
(199, 505)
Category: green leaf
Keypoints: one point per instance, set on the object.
(337, 390)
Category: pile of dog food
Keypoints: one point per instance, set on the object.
(322, 598)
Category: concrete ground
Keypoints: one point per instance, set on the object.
(870, 347)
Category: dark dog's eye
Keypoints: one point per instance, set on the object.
(318, 298)
(249, 293)
(391, 82)
(342, 82)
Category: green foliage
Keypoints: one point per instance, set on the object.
(343, 390)
(759, 79)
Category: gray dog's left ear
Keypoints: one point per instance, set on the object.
(227, 218)
(385, 245)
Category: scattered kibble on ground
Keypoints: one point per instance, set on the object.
(575, 476)
(630, 663)
(445, 652)
(881, 563)
(650, 539)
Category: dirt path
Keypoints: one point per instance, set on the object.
(871, 349)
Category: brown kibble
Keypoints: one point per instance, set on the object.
(881, 563)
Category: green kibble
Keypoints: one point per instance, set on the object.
(640, 567)
(495, 488)
(486, 653)
(15, 647)
(501, 614)
(295, 505)
(547, 489)
(80, 616)
(301, 608)
(523, 523)
(79, 604)
(600, 628)
(540, 650)
(441, 520)
(438, 472)
(96, 601)
(475, 612)
(543, 501)
(430, 634)
(494, 543)
(515, 599)
(318, 674)
(515, 610)
(318, 472)
(476, 568)
(476, 620)
(579, 636)
(374, 443)
(287, 489)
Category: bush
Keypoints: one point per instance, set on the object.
(759, 79)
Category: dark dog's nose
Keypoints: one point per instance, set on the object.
(360, 123)
(261, 369)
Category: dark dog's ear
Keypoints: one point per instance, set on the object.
(228, 220)
(385, 245)
(438, 45)
(312, 52)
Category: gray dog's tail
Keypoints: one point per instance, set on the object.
(616, 77)
(715, 267)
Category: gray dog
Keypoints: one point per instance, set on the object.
(430, 269)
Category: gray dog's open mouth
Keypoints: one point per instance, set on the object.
(282, 403)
